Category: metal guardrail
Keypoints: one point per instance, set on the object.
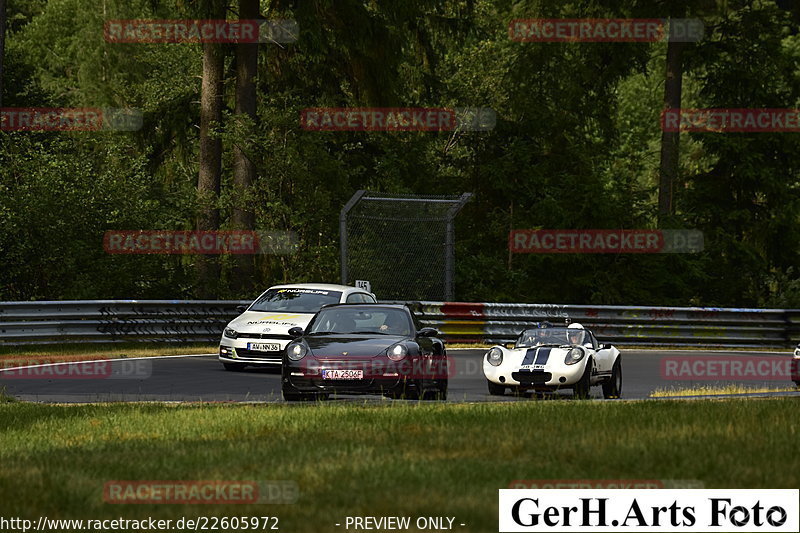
(654, 326)
(74, 321)
(57, 322)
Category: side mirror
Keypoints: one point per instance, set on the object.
(605, 346)
(241, 308)
(428, 332)
(295, 332)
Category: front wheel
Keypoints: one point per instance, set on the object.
(581, 388)
(613, 387)
(495, 389)
(439, 392)
(411, 390)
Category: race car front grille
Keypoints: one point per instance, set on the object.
(266, 356)
(532, 378)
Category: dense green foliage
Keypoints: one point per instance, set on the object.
(576, 145)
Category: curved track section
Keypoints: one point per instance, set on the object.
(202, 378)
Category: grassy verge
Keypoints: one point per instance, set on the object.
(32, 355)
(5, 398)
(715, 391)
(411, 460)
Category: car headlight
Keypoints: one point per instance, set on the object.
(297, 351)
(574, 356)
(231, 333)
(397, 352)
(494, 356)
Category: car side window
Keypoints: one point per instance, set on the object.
(369, 299)
(353, 298)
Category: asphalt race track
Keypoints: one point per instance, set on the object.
(202, 378)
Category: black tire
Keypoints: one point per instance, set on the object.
(613, 387)
(797, 384)
(437, 393)
(495, 389)
(581, 389)
(440, 393)
(234, 367)
(411, 390)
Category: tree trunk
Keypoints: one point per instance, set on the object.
(244, 171)
(208, 181)
(2, 45)
(670, 141)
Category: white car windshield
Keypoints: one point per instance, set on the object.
(552, 336)
(295, 300)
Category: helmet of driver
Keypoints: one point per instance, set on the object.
(575, 337)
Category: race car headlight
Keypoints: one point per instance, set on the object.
(397, 352)
(494, 356)
(297, 351)
(574, 356)
(231, 333)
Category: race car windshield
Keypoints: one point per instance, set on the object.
(551, 336)
(295, 300)
(356, 321)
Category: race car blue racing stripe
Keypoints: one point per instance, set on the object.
(542, 355)
(529, 355)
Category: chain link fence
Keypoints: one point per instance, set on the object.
(404, 245)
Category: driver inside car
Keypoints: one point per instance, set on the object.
(544, 336)
(394, 324)
(576, 335)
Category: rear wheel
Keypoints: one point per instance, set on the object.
(234, 367)
(581, 388)
(613, 387)
(495, 389)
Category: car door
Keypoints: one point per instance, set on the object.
(602, 356)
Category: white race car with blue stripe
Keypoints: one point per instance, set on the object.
(552, 358)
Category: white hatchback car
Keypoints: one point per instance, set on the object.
(258, 336)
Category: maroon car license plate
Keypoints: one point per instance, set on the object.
(342, 374)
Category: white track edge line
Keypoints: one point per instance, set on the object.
(107, 360)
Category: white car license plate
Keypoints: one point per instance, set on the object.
(263, 347)
(342, 374)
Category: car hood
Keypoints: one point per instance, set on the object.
(338, 346)
(543, 355)
(269, 322)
